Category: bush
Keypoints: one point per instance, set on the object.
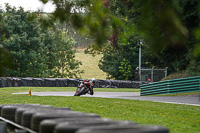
(182, 74)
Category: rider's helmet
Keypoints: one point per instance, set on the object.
(93, 80)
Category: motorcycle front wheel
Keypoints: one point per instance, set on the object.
(80, 91)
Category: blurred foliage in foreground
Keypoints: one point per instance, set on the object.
(168, 28)
(160, 23)
(169, 31)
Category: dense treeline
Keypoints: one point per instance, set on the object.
(165, 44)
(36, 51)
(169, 29)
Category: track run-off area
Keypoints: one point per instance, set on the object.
(187, 100)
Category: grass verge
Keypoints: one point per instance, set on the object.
(197, 93)
(51, 89)
(178, 118)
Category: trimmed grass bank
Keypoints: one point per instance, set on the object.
(90, 65)
(178, 118)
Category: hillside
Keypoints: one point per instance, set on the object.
(89, 65)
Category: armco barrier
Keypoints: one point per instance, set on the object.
(63, 82)
(171, 86)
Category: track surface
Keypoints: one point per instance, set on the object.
(188, 100)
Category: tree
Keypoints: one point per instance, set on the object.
(121, 65)
(5, 60)
(37, 51)
(22, 41)
(158, 22)
(60, 55)
(166, 27)
(5, 57)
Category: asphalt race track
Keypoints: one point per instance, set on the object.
(188, 100)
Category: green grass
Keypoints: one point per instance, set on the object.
(89, 65)
(51, 89)
(179, 94)
(178, 118)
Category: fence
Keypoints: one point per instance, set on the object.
(171, 86)
(154, 74)
(63, 82)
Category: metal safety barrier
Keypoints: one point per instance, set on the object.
(181, 85)
(13, 127)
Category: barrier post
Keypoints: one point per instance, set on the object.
(29, 93)
(152, 74)
(3, 127)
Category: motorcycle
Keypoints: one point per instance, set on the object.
(81, 90)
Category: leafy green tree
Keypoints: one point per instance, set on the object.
(157, 22)
(126, 70)
(121, 65)
(163, 47)
(110, 62)
(61, 60)
(167, 28)
(22, 41)
(37, 51)
(5, 60)
(5, 57)
(164, 25)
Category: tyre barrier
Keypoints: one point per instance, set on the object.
(8, 112)
(124, 129)
(63, 82)
(23, 115)
(38, 117)
(47, 126)
(28, 114)
(35, 118)
(72, 127)
(19, 112)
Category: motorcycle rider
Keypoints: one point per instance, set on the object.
(89, 84)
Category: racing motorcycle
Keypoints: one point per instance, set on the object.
(82, 89)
